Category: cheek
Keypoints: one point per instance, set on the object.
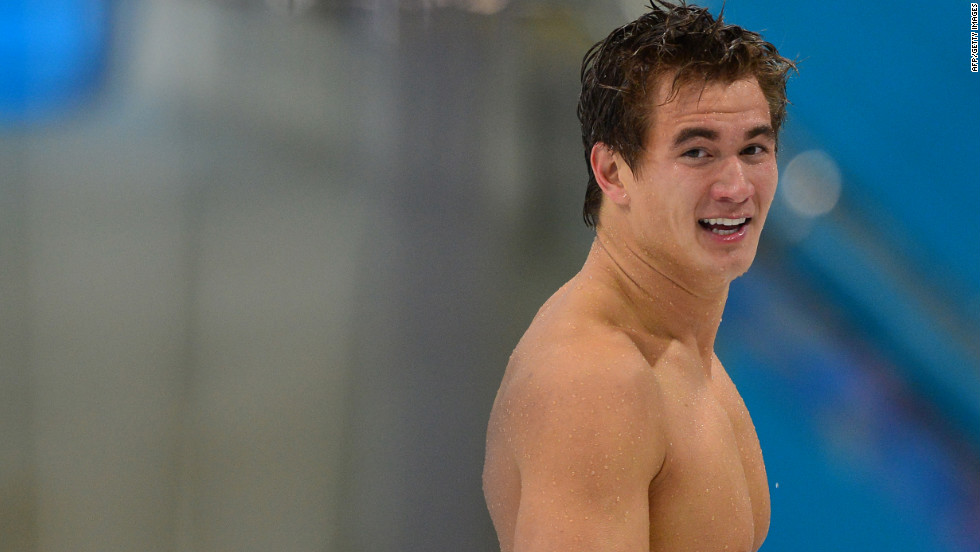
(765, 183)
(654, 213)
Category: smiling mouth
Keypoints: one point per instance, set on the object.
(724, 226)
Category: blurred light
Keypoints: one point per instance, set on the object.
(486, 7)
(811, 184)
(52, 56)
(291, 6)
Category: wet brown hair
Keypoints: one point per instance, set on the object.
(620, 73)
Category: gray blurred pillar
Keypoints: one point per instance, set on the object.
(428, 337)
(107, 309)
(18, 476)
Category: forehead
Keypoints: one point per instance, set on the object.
(737, 105)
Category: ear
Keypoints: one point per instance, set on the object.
(611, 173)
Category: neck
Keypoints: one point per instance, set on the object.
(660, 300)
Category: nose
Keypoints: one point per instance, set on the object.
(732, 184)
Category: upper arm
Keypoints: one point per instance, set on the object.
(589, 447)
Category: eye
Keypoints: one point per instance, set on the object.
(696, 153)
(755, 149)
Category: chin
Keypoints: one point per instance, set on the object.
(735, 267)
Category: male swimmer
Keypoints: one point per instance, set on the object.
(616, 427)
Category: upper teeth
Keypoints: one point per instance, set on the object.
(724, 221)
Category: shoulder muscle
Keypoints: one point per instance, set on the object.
(587, 440)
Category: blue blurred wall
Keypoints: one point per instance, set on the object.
(865, 388)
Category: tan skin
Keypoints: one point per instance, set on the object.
(616, 428)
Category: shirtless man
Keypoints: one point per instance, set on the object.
(616, 428)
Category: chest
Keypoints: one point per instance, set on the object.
(712, 489)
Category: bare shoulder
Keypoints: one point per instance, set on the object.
(572, 371)
(575, 439)
(582, 379)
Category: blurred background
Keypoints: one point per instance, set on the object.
(262, 263)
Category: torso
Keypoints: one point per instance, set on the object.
(711, 493)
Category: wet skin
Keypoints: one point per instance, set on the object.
(616, 427)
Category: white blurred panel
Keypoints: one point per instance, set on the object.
(191, 272)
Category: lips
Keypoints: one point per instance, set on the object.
(724, 226)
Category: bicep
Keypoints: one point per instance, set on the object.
(585, 474)
(562, 513)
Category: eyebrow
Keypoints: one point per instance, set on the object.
(694, 132)
(761, 130)
(703, 132)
